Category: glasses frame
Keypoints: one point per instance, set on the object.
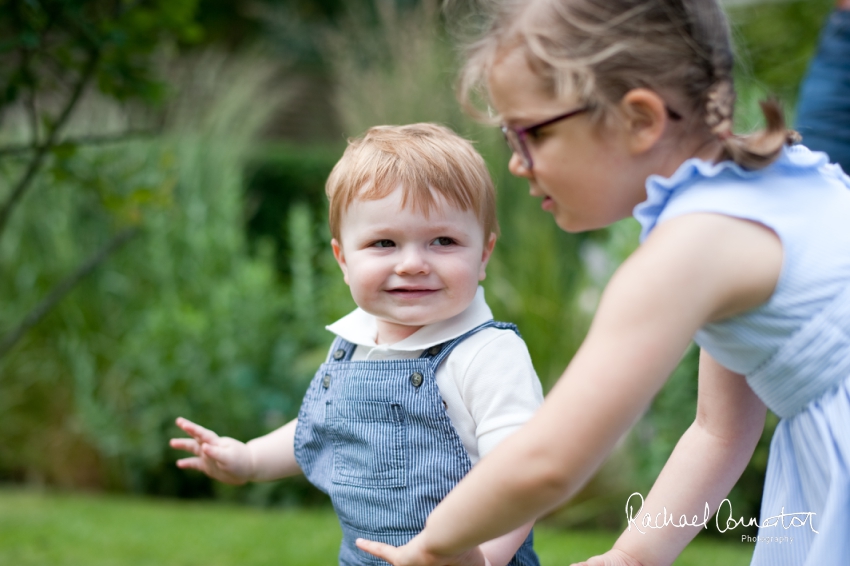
(516, 137)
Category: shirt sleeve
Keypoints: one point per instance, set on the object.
(498, 386)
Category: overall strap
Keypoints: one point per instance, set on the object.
(436, 354)
(342, 350)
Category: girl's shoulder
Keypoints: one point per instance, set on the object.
(726, 187)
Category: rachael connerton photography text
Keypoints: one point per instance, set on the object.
(663, 519)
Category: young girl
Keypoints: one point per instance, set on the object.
(617, 106)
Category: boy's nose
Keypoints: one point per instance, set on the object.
(412, 262)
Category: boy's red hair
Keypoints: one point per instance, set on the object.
(421, 159)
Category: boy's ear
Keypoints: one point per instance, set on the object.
(485, 256)
(339, 256)
(646, 118)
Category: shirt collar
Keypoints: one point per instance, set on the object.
(359, 327)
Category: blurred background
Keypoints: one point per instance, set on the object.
(163, 239)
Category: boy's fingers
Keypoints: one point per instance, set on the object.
(379, 549)
(196, 431)
(191, 464)
(213, 452)
(187, 444)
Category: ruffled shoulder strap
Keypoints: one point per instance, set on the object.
(698, 173)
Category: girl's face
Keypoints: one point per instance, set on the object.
(588, 177)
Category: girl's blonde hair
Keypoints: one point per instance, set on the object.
(602, 49)
(421, 160)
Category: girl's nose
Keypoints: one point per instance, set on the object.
(516, 167)
(412, 262)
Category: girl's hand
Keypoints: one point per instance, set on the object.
(613, 557)
(221, 458)
(414, 554)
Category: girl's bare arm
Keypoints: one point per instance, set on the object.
(703, 468)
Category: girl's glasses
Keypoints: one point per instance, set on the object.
(516, 136)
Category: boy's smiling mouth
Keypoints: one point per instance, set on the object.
(411, 292)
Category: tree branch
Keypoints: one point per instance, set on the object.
(96, 139)
(33, 112)
(32, 109)
(63, 288)
(40, 153)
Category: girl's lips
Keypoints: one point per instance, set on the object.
(547, 203)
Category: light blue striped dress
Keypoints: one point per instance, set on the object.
(795, 349)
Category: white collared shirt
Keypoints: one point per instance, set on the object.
(488, 382)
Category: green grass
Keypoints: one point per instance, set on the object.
(556, 548)
(73, 529)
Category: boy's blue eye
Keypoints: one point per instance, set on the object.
(444, 241)
(384, 244)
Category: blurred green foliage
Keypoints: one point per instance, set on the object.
(54, 51)
(51, 44)
(278, 177)
(183, 321)
(235, 24)
(774, 43)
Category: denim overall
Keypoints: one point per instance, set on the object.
(375, 436)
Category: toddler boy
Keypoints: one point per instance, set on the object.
(420, 382)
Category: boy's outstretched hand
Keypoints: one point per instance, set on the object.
(222, 458)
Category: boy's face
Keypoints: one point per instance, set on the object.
(408, 270)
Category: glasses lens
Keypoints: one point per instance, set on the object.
(517, 146)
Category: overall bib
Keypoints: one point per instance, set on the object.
(375, 436)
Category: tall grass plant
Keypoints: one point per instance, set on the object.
(183, 321)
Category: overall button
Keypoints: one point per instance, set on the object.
(326, 381)
(416, 379)
(434, 350)
(339, 354)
